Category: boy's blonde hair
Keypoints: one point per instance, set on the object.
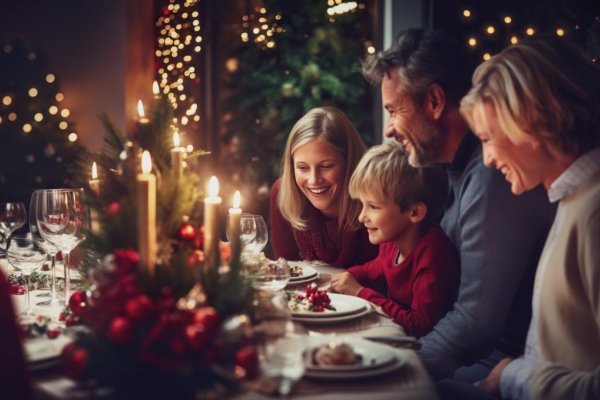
(331, 126)
(384, 172)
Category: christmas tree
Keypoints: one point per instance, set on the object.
(292, 56)
(38, 139)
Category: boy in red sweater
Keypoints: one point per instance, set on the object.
(416, 273)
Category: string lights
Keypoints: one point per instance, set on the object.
(178, 47)
(261, 28)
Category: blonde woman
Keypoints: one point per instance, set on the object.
(536, 109)
(312, 215)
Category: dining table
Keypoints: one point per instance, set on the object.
(406, 379)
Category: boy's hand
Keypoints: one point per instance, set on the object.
(346, 284)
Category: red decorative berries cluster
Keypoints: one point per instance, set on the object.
(318, 300)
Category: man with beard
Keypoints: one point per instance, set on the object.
(423, 77)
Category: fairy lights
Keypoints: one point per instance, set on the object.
(260, 28)
(177, 46)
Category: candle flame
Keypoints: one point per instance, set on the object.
(146, 162)
(176, 141)
(155, 88)
(140, 108)
(94, 171)
(213, 186)
(237, 199)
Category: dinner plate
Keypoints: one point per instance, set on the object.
(307, 272)
(303, 281)
(42, 351)
(384, 360)
(369, 356)
(326, 320)
(343, 304)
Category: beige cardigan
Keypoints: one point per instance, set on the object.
(569, 317)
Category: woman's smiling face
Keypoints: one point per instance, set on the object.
(319, 172)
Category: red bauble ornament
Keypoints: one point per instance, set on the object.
(120, 330)
(186, 232)
(209, 317)
(246, 362)
(78, 302)
(139, 308)
(196, 336)
(74, 360)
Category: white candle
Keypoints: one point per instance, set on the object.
(141, 113)
(95, 182)
(146, 213)
(155, 90)
(211, 223)
(177, 153)
(235, 214)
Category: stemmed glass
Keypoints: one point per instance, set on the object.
(254, 233)
(26, 256)
(48, 247)
(63, 220)
(12, 217)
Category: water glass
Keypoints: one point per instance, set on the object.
(271, 275)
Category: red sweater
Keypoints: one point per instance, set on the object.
(419, 290)
(14, 377)
(321, 241)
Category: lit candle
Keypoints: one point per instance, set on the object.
(146, 213)
(235, 214)
(155, 89)
(141, 113)
(95, 182)
(177, 153)
(211, 223)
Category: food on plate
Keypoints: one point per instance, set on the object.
(311, 300)
(296, 271)
(335, 354)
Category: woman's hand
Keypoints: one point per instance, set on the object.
(491, 383)
(346, 284)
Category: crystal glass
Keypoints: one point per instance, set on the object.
(24, 255)
(282, 352)
(271, 275)
(12, 216)
(63, 220)
(48, 247)
(254, 233)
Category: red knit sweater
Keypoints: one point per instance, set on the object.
(321, 241)
(417, 292)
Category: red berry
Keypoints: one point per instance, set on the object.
(78, 302)
(120, 330)
(52, 332)
(139, 308)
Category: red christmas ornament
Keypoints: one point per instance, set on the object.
(78, 302)
(246, 362)
(74, 360)
(209, 318)
(186, 232)
(196, 336)
(113, 208)
(139, 308)
(120, 330)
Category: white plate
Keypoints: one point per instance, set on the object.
(326, 320)
(343, 304)
(370, 356)
(307, 272)
(387, 361)
(42, 349)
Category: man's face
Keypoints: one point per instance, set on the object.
(409, 124)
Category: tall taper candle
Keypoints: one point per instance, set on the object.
(141, 112)
(146, 213)
(94, 182)
(177, 155)
(234, 227)
(211, 223)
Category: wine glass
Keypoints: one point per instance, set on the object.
(24, 255)
(254, 233)
(282, 352)
(63, 220)
(12, 217)
(48, 247)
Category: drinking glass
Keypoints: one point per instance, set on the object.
(254, 233)
(45, 245)
(282, 352)
(63, 220)
(24, 255)
(271, 275)
(12, 217)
